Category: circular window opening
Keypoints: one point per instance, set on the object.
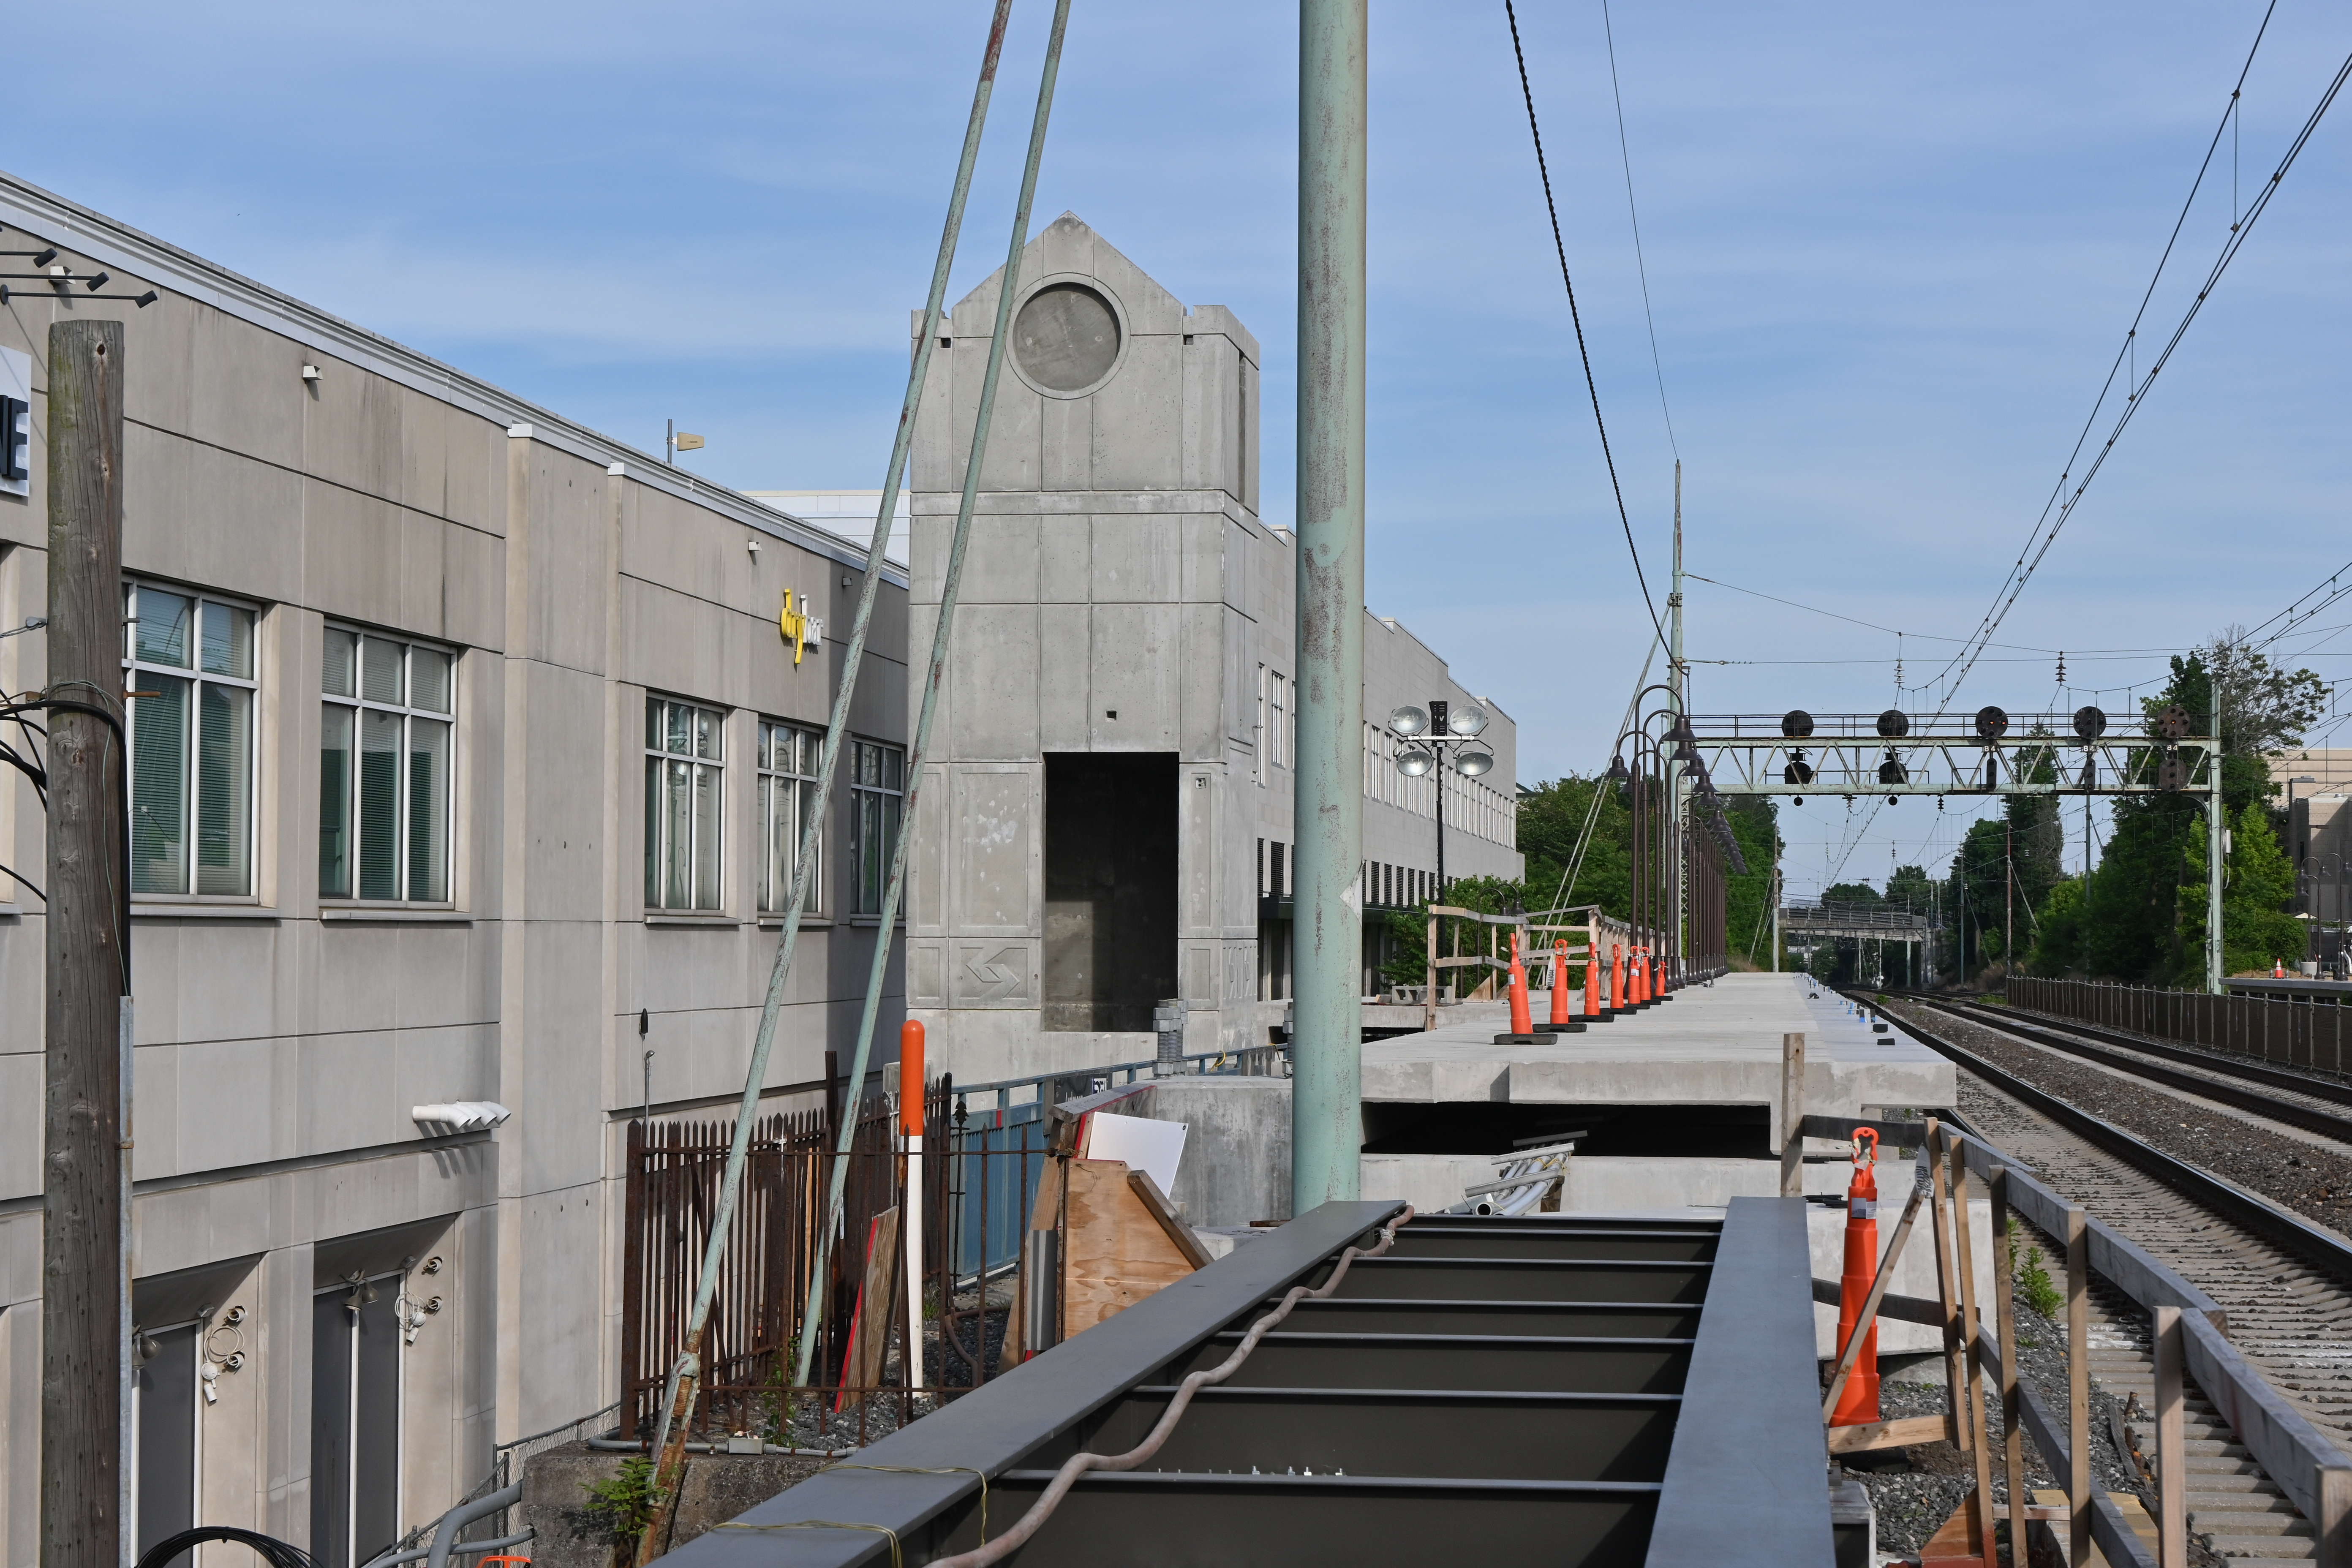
(1066, 337)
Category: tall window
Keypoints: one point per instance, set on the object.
(188, 661)
(684, 754)
(1279, 737)
(788, 759)
(383, 768)
(877, 784)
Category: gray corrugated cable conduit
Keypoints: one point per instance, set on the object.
(1077, 1465)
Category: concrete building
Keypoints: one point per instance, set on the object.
(1112, 821)
(467, 758)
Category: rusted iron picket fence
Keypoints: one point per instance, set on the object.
(979, 1171)
(2313, 1037)
(983, 1158)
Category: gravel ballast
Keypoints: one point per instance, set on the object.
(2314, 1181)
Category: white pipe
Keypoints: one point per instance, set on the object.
(911, 1226)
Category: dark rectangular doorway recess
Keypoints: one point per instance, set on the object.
(1110, 889)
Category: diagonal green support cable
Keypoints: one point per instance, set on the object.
(932, 677)
(669, 1442)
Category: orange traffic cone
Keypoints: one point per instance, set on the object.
(1591, 979)
(1522, 1019)
(1858, 1402)
(1560, 1019)
(2278, 969)
(1617, 1000)
(1640, 979)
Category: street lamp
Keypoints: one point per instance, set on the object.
(1428, 731)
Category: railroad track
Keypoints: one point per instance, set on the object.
(2285, 1282)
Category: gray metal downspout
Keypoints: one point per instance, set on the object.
(1327, 1136)
(934, 673)
(680, 1394)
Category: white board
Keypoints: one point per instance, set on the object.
(1157, 1147)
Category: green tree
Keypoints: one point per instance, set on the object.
(2257, 880)
(1487, 894)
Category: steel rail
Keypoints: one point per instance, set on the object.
(2327, 1124)
(2237, 1067)
(2245, 1209)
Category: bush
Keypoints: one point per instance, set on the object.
(629, 1501)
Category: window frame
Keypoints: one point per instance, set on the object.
(658, 844)
(197, 678)
(773, 899)
(1282, 737)
(893, 797)
(409, 714)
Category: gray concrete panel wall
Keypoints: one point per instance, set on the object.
(283, 1037)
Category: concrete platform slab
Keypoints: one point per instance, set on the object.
(1711, 1045)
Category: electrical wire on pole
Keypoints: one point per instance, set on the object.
(1592, 387)
(2062, 501)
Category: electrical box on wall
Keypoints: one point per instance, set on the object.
(15, 421)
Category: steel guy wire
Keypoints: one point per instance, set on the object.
(688, 1366)
(936, 672)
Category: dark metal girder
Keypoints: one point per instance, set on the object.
(1517, 1435)
(1641, 1319)
(1282, 1521)
(1451, 1360)
(1526, 1280)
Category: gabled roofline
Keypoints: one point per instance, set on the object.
(115, 245)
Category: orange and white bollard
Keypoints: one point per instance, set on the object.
(1858, 1404)
(1523, 1020)
(1559, 984)
(912, 1090)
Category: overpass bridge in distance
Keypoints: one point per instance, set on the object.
(1862, 921)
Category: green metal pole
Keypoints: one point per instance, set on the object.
(935, 673)
(678, 1399)
(2216, 828)
(1327, 1121)
(1677, 777)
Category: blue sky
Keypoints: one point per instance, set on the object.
(1890, 253)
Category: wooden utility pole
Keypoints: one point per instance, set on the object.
(86, 1186)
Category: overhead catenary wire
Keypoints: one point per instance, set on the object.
(1634, 216)
(2048, 527)
(1592, 387)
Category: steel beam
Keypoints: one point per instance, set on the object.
(1326, 1050)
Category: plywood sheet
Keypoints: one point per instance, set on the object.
(1116, 1250)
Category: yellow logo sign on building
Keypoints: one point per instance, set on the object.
(795, 625)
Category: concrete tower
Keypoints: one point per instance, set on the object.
(1110, 741)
